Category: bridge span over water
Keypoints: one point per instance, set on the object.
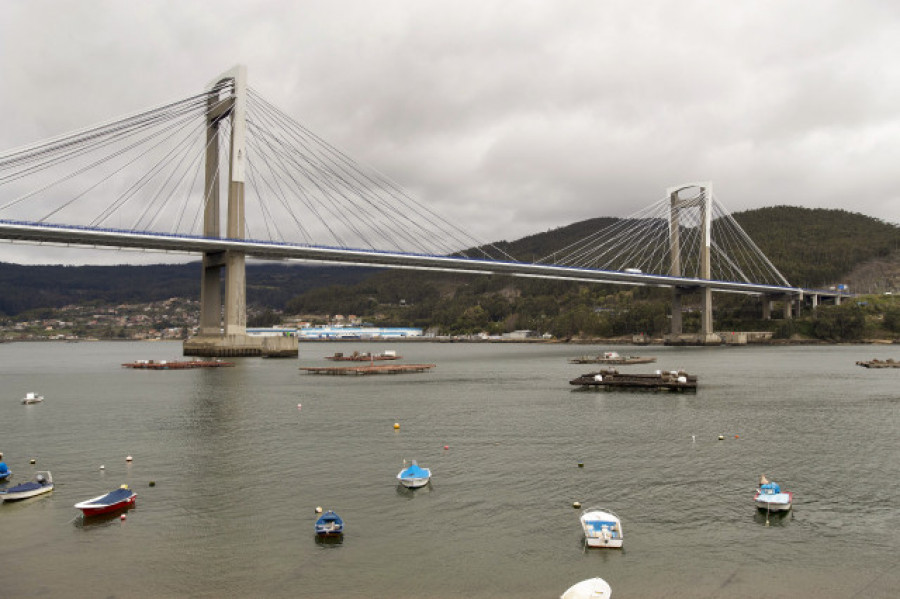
(230, 146)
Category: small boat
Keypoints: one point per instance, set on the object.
(592, 588)
(414, 476)
(771, 498)
(32, 397)
(123, 497)
(329, 524)
(602, 528)
(5, 472)
(42, 483)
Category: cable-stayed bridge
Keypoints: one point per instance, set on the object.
(158, 180)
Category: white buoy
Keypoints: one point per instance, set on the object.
(128, 458)
(318, 509)
(693, 438)
(299, 406)
(576, 504)
(102, 467)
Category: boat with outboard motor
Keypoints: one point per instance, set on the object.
(414, 476)
(32, 397)
(602, 528)
(42, 483)
(771, 498)
(329, 524)
(121, 498)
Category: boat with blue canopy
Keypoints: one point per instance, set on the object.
(121, 498)
(42, 483)
(414, 476)
(771, 498)
(329, 524)
(602, 528)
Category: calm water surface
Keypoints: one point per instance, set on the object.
(239, 471)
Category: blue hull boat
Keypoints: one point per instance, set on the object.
(329, 524)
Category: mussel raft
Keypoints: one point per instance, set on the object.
(610, 378)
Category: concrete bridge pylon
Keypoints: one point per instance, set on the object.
(701, 201)
(223, 320)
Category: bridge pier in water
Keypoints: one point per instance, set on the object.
(228, 337)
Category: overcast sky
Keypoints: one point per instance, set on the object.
(509, 118)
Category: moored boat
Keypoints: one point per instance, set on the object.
(121, 498)
(771, 498)
(592, 588)
(32, 397)
(602, 528)
(414, 476)
(329, 524)
(42, 483)
(176, 364)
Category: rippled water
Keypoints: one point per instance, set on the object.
(239, 470)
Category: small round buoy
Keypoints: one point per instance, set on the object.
(299, 406)
(721, 437)
(581, 464)
(32, 461)
(576, 505)
(122, 517)
(446, 447)
(128, 458)
(396, 425)
(102, 467)
(693, 438)
(318, 509)
(736, 437)
(152, 483)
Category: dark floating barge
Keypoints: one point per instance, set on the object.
(889, 363)
(363, 357)
(665, 380)
(612, 357)
(176, 364)
(371, 369)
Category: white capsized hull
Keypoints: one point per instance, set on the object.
(592, 588)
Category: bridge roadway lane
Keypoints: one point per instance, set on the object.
(70, 235)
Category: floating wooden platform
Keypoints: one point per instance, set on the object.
(618, 361)
(610, 378)
(176, 364)
(889, 363)
(362, 357)
(379, 369)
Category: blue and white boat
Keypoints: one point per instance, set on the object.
(602, 528)
(771, 498)
(329, 524)
(42, 483)
(414, 476)
(5, 472)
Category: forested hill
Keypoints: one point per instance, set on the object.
(811, 247)
(272, 285)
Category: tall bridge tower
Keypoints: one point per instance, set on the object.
(700, 202)
(223, 332)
